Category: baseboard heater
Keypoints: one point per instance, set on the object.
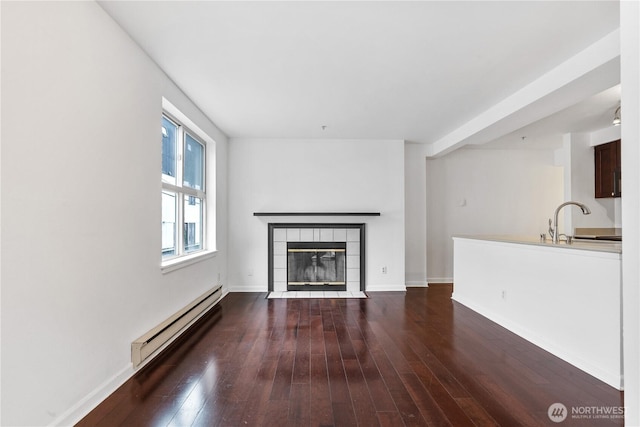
(148, 343)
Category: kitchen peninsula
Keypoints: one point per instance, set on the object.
(565, 298)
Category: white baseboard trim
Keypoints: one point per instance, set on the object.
(417, 284)
(249, 288)
(78, 411)
(440, 279)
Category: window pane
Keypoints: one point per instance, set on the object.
(193, 224)
(193, 163)
(168, 224)
(169, 147)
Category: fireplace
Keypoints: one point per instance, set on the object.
(316, 257)
(316, 266)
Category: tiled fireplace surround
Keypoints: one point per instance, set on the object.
(282, 233)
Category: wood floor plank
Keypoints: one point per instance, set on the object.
(343, 414)
(281, 389)
(393, 359)
(475, 412)
(321, 412)
(389, 419)
(276, 414)
(316, 335)
(335, 369)
(407, 408)
(347, 351)
(303, 353)
(230, 416)
(363, 406)
(258, 398)
(300, 405)
(436, 369)
(247, 370)
(439, 412)
(377, 387)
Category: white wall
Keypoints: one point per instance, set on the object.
(81, 208)
(316, 176)
(415, 214)
(630, 81)
(480, 191)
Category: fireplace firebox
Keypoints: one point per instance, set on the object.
(316, 266)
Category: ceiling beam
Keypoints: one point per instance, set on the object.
(589, 72)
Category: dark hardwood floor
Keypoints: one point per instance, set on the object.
(414, 358)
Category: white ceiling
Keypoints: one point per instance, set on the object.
(416, 71)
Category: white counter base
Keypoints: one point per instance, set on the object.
(566, 301)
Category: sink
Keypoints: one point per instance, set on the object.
(604, 239)
(599, 234)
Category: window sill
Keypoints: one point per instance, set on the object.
(184, 261)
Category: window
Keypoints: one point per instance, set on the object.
(183, 190)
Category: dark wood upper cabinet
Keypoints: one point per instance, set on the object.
(608, 170)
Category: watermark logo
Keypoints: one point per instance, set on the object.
(557, 412)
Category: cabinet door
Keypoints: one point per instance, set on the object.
(608, 176)
(617, 172)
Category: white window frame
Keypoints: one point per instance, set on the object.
(181, 258)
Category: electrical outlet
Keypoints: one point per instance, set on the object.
(504, 294)
(384, 270)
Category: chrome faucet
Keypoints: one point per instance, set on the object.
(554, 231)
